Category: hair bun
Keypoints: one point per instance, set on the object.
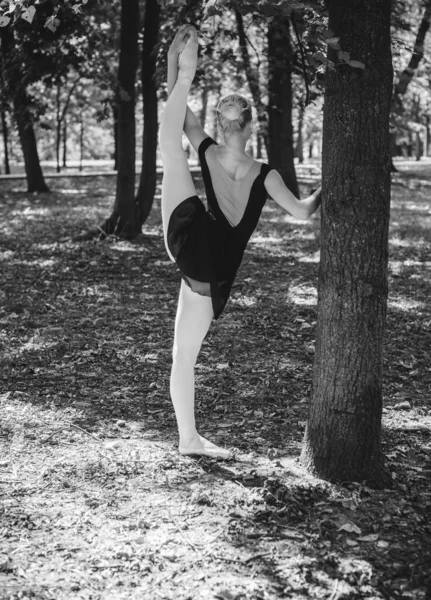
(231, 112)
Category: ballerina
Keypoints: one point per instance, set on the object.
(208, 245)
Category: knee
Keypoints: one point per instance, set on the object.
(185, 354)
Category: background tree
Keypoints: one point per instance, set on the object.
(123, 220)
(15, 89)
(407, 74)
(147, 182)
(280, 95)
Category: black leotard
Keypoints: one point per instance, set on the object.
(207, 248)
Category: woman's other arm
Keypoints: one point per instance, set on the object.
(301, 209)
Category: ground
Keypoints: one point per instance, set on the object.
(95, 501)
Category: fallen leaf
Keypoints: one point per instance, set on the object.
(350, 528)
(372, 537)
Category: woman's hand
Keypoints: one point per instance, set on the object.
(180, 40)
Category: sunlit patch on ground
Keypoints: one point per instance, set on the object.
(259, 239)
(406, 304)
(243, 301)
(299, 294)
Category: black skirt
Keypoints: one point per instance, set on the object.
(189, 240)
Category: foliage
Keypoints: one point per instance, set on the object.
(51, 12)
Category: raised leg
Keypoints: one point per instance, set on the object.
(177, 184)
(194, 316)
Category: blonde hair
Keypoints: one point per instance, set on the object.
(233, 113)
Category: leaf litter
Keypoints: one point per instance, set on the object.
(95, 501)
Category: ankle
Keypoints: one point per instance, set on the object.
(188, 438)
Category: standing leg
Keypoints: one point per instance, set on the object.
(194, 316)
(177, 184)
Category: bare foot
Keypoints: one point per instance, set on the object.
(202, 447)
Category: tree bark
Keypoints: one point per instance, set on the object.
(124, 220)
(147, 183)
(252, 75)
(5, 141)
(342, 439)
(280, 128)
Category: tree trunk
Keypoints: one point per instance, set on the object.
(427, 135)
(259, 143)
(81, 144)
(418, 148)
(310, 150)
(417, 55)
(65, 144)
(280, 128)
(16, 90)
(115, 118)
(299, 151)
(342, 439)
(5, 141)
(147, 184)
(252, 75)
(33, 170)
(124, 220)
(58, 128)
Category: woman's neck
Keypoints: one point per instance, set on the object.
(235, 143)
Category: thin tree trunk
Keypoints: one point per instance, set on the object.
(417, 55)
(252, 75)
(299, 151)
(280, 128)
(115, 119)
(5, 141)
(58, 128)
(147, 183)
(417, 146)
(65, 144)
(81, 144)
(259, 145)
(310, 150)
(60, 119)
(124, 220)
(427, 135)
(342, 439)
